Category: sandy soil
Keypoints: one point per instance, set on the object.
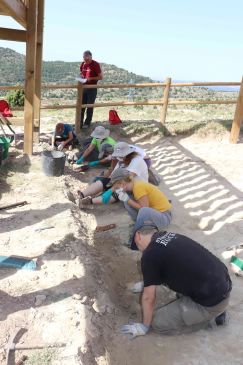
(79, 294)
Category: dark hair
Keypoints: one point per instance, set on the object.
(130, 157)
(88, 53)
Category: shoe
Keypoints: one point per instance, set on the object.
(86, 126)
(85, 203)
(222, 319)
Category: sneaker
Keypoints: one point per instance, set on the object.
(222, 319)
(85, 203)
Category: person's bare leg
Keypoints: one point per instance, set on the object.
(93, 189)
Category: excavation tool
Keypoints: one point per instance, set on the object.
(11, 347)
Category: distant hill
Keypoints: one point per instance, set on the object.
(12, 72)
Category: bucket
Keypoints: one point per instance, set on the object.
(4, 144)
(53, 163)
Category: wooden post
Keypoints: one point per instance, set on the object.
(78, 107)
(165, 100)
(31, 39)
(38, 68)
(238, 118)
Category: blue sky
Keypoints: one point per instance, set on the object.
(186, 40)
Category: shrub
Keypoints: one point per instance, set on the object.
(15, 98)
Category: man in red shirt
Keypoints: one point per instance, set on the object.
(91, 71)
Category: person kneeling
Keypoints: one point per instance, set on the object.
(199, 278)
(64, 136)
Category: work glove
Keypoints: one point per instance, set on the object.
(134, 330)
(93, 163)
(61, 146)
(123, 196)
(137, 287)
(80, 160)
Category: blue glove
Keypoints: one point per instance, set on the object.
(93, 163)
(106, 196)
(134, 330)
(80, 160)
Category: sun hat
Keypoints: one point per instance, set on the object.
(119, 174)
(100, 132)
(105, 149)
(122, 149)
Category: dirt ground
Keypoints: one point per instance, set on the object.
(79, 295)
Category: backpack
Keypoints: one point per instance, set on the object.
(114, 117)
(154, 178)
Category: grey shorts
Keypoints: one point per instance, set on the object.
(183, 315)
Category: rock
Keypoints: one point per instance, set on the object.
(39, 299)
(72, 256)
(76, 296)
(84, 299)
(101, 309)
(100, 282)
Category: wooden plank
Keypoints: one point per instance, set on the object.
(146, 102)
(165, 100)
(38, 69)
(123, 86)
(238, 118)
(13, 35)
(30, 76)
(16, 9)
(78, 107)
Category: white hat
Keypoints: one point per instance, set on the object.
(122, 149)
(100, 132)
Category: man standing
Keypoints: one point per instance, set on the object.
(199, 278)
(91, 71)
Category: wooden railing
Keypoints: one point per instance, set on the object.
(164, 102)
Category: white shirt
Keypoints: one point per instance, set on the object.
(138, 167)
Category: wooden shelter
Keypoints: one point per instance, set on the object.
(30, 15)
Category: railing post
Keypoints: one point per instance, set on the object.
(78, 107)
(165, 100)
(238, 118)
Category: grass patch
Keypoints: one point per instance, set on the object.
(42, 357)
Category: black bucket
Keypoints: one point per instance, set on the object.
(53, 163)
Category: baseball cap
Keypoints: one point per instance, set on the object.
(139, 225)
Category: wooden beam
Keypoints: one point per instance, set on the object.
(16, 35)
(16, 9)
(78, 108)
(165, 100)
(30, 76)
(238, 118)
(38, 68)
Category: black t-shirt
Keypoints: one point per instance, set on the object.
(186, 267)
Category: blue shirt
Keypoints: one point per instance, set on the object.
(67, 128)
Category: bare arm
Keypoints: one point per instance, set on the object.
(70, 137)
(140, 203)
(148, 302)
(88, 150)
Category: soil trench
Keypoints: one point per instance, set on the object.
(80, 293)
